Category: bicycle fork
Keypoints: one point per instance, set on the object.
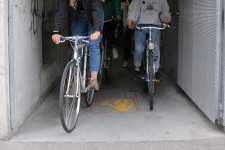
(150, 55)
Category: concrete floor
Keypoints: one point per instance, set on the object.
(175, 117)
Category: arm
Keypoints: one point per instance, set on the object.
(134, 10)
(60, 15)
(97, 15)
(165, 15)
(59, 20)
(117, 7)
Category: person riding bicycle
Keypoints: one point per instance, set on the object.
(112, 10)
(144, 13)
(87, 20)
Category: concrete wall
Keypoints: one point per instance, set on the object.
(33, 78)
(222, 85)
(4, 70)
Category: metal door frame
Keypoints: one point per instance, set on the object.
(11, 66)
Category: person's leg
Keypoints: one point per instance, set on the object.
(140, 37)
(94, 52)
(127, 46)
(79, 27)
(156, 39)
(110, 27)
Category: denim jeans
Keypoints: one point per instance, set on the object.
(140, 37)
(82, 27)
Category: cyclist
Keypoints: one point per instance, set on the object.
(145, 13)
(87, 20)
(112, 9)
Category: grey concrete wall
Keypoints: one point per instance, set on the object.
(4, 70)
(221, 120)
(33, 78)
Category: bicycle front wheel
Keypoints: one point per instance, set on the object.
(70, 96)
(151, 80)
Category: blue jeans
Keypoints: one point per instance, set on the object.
(82, 27)
(140, 37)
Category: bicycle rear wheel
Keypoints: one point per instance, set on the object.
(70, 96)
(101, 67)
(89, 95)
(107, 59)
(151, 80)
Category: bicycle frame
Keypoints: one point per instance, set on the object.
(78, 58)
(151, 47)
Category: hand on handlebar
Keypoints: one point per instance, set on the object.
(56, 38)
(130, 23)
(167, 19)
(95, 35)
(118, 18)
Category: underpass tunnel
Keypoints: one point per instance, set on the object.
(191, 60)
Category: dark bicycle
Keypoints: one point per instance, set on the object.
(150, 76)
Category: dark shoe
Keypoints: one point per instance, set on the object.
(158, 76)
(136, 75)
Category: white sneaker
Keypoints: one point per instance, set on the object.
(125, 64)
(115, 53)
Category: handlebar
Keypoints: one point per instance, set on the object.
(115, 19)
(152, 27)
(73, 38)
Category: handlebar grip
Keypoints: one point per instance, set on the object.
(62, 38)
(87, 38)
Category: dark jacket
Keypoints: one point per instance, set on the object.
(92, 8)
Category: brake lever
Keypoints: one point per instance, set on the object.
(86, 41)
(61, 42)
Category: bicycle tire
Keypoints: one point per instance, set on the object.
(89, 95)
(151, 80)
(101, 67)
(108, 59)
(69, 97)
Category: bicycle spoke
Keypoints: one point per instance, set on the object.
(70, 112)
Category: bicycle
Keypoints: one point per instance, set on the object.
(74, 82)
(150, 76)
(106, 53)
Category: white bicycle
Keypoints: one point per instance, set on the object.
(74, 82)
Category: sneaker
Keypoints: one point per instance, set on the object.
(115, 53)
(136, 75)
(94, 84)
(125, 64)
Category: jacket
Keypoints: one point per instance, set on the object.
(92, 8)
(148, 11)
(112, 8)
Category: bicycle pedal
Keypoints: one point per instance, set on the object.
(143, 78)
(157, 81)
(69, 96)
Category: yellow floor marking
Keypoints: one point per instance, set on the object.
(120, 105)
